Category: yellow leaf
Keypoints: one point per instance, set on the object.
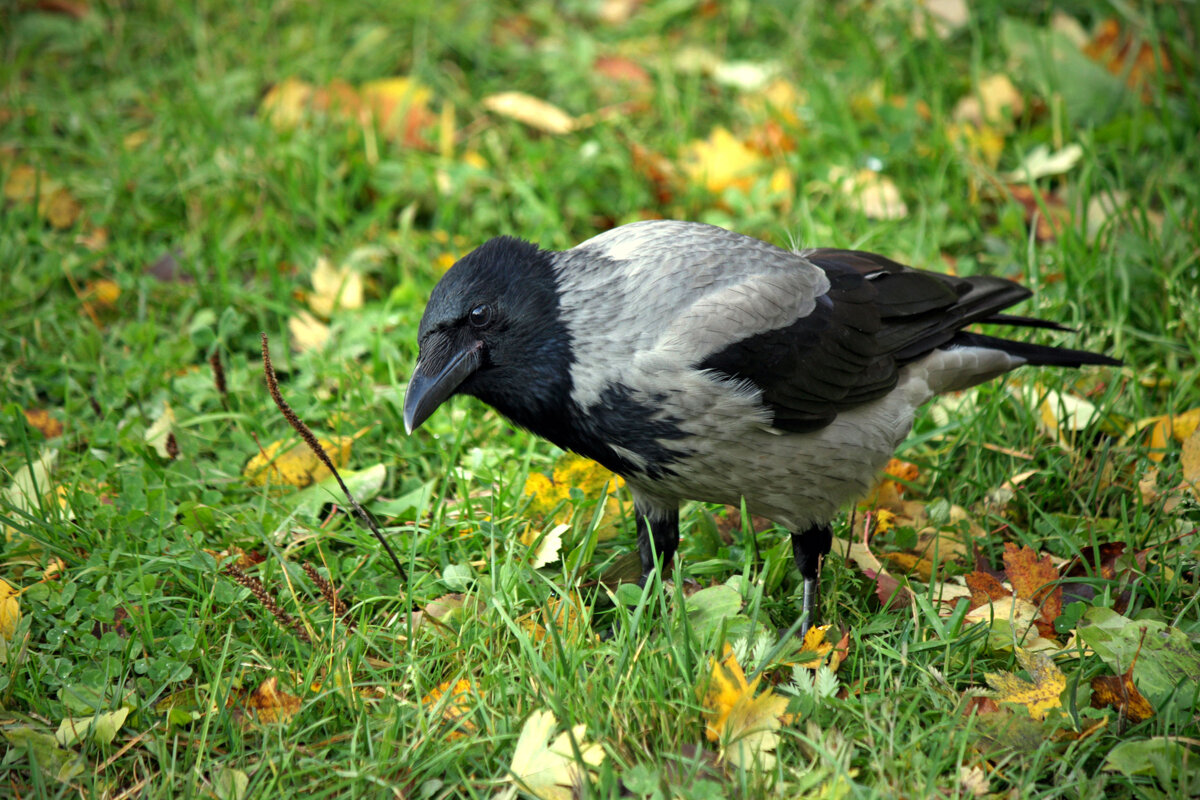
(59, 208)
(1041, 163)
(721, 161)
(1040, 695)
(456, 702)
(307, 332)
(745, 725)
(531, 111)
(995, 101)
(549, 770)
(270, 704)
(875, 195)
(24, 183)
(574, 472)
(10, 609)
(297, 465)
(288, 103)
(1190, 462)
(334, 288)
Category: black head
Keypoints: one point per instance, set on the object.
(492, 330)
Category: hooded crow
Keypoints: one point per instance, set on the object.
(702, 364)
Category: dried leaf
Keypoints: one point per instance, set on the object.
(545, 546)
(1119, 692)
(270, 704)
(1039, 696)
(307, 332)
(158, 434)
(456, 702)
(1042, 163)
(400, 107)
(334, 288)
(720, 162)
(995, 101)
(875, 195)
(1125, 53)
(10, 609)
(531, 111)
(297, 465)
(548, 770)
(1189, 461)
(943, 17)
(41, 419)
(745, 725)
(1035, 580)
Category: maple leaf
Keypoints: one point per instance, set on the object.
(1037, 581)
(745, 725)
(590, 479)
(1038, 696)
(549, 770)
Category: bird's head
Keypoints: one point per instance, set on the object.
(492, 330)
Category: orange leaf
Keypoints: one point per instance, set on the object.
(985, 589)
(270, 704)
(1119, 692)
(40, 418)
(1036, 581)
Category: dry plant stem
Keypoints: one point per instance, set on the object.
(315, 446)
(258, 590)
(218, 370)
(336, 604)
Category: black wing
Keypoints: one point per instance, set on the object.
(877, 316)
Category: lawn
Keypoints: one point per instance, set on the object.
(188, 608)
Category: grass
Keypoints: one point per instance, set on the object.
(147, 114)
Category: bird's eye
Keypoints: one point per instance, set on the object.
(480, 316)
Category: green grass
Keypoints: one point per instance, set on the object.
(141, 616)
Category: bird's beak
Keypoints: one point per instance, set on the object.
(439, 372)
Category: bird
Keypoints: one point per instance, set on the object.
(702, 364)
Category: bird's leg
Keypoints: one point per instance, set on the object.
(809, 548)
(657, 537)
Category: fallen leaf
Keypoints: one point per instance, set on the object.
(288, 103)
(745, 725)
(103, 726)
(1152, 756)
(270, 704)
(721, 161)
(531, 111)
(10, 609)
(59, 208)
(334, 289)
(974, 781)
(591, 481)
(1042, 163)
(1037, 581)
(942, 17)
(41, 419)
(1189, 462)
(1039, 696)
(307, 332)
(455, 701)
(400, 107)
(1129, 55)
(160, 431)
(296, 465)
(995, 102)
(875, 195)
(549, 770)
(1119, 692)
(545, 546)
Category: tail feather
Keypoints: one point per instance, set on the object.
(1037, 355)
